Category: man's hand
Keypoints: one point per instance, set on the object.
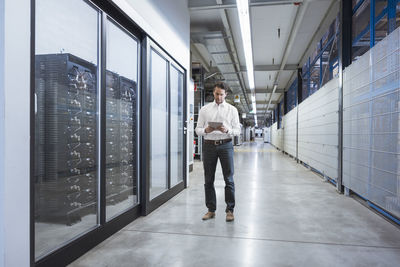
(209, 129)
(222, 129)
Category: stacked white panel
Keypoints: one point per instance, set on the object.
(371, 128)
(318, 129)
(275, 135)
(279, 140)
(289, 132)
(356, 134)
(267, 134)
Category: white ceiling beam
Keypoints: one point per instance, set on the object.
(199, 5)
(271, 67)
(206, 6)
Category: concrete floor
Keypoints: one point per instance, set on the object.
(285, 215)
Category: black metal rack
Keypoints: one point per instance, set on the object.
(66, 160)
(66, 151)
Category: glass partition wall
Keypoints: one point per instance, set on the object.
(66, 173)
(71, 61)
(86, 181)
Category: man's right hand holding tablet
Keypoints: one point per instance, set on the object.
(209, 129)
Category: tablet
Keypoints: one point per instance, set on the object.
(214, 124)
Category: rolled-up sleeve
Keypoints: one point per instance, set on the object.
(200, 128)
(235, 130)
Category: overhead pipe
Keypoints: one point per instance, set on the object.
(211, 75)
(198, 55)
(295, 28)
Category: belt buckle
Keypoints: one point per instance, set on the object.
(217, 142)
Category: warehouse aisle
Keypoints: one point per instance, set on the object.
(285, 215)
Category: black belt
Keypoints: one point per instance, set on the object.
(217, 142)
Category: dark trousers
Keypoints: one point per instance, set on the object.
(211, 154)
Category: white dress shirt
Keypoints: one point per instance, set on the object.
(225, 113)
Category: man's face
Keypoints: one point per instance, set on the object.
(219, 95)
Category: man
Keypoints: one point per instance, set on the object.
(218, 144)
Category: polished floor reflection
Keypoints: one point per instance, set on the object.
(285, 215)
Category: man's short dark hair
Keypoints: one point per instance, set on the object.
(222, 86)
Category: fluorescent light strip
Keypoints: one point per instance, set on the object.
(254, 105)
(244, 20)
(255, 112)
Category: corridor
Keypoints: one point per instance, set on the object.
(285, 215)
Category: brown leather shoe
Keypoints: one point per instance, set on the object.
(208, 215)
(229, 216)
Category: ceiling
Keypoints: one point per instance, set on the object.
(282, 33)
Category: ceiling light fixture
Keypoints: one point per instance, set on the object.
(244, 21)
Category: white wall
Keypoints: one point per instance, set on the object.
(1, 133)
(14, 132)
(190, 124)
(166, 21)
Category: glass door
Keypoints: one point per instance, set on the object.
(159, 123)
(177, 130)
(165, 120)
(121, 173)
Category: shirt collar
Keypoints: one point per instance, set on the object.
(222, 104)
